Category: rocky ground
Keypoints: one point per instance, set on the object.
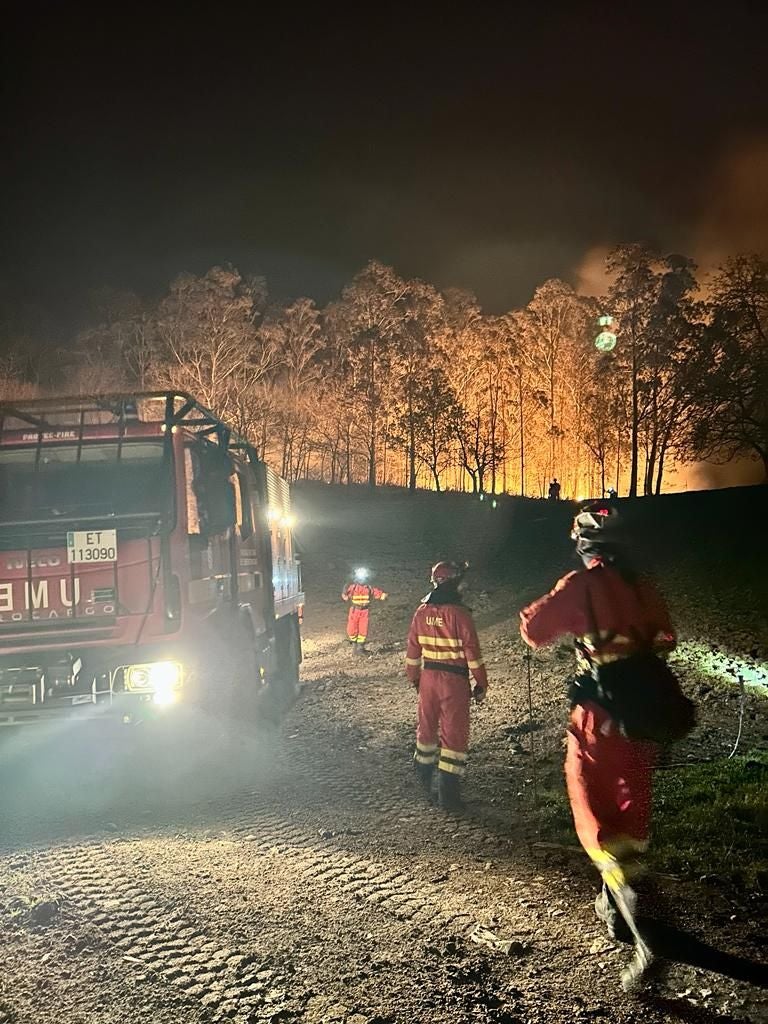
(301, 877)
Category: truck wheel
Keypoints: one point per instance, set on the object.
(246, 683)
(283, 684)
(226, 672)
(289, 653)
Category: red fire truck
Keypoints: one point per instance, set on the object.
(146, 561)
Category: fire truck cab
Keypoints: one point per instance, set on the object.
(146, 563)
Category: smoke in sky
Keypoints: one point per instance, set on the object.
(733, 218)
(591, 277)
(734, 203)
(703, 476)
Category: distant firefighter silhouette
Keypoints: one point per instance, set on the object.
(359, 595)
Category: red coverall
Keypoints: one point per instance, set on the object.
(608, 776)
(361, 595)
(442, 650)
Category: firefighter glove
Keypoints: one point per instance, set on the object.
(479, 694)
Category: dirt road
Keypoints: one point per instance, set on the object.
(301, 876)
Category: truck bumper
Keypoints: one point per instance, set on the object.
(109, 684)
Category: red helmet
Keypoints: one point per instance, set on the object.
(443, 571)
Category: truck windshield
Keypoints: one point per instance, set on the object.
(91, 479)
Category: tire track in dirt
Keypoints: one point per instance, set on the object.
(363, 880)
(379, 791)
(165, 944)
(168, 946)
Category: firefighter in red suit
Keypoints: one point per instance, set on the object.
(359, 594)
(443, 650)
(612, 613)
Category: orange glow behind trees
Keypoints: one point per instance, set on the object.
(398, 383)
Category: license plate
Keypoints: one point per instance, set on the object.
(91, 546)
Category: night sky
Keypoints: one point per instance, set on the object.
(471, 149)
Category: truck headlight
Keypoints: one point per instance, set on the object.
(161, 678)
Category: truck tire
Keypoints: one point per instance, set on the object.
(226, 671)
(245, 683)
(283, 683)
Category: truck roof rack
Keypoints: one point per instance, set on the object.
(178, 409)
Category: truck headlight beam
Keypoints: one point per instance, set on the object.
(162, 679)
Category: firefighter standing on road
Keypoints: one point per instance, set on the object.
(359, 594)
(613, 614)
(442, 651)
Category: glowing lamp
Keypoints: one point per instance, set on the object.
(162, 679)
(605, 341)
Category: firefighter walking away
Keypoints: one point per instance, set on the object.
(615, 616)
(443, 650)
(359, 595)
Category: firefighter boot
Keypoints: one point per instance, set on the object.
(425, 774)
(643, 967)
(606, 911)
(449, 792)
